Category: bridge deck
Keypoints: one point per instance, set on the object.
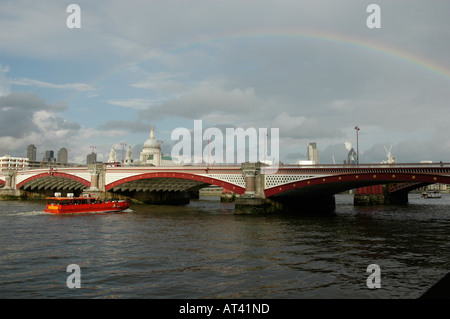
(278, 181)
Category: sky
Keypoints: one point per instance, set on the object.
(313, 69)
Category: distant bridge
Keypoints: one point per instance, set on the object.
(247, 179)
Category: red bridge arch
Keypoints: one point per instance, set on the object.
(204, 179)
(55, 174)
(356, 180)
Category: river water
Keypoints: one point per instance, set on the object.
(204, 250)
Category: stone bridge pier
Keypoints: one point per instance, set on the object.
(97, 172)
(254, 201)
(9, 175)
(9, 190)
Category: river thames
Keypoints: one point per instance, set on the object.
(204, 250)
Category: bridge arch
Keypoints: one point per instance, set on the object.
(53, 180)
(198, 179)
(334, 184)
(406, 187)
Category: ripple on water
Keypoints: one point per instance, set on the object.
(203, 250)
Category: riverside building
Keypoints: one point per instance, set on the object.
(8, 161)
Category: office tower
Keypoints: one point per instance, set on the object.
(313, 153)
(31, 152)
(91, 158)
(63, 155)
(49, 156)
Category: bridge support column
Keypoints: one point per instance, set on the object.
(253, 201)
(97, 172)
(9, 191)
(9, 178)
(250, 171)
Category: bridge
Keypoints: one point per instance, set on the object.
(256, 184)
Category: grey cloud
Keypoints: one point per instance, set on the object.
(132, 126)
(27, 118)
(30, 102)
(205, 100)
(311, 68)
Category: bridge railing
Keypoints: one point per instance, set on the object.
(323, 167)
(416, 168)
(375, 165)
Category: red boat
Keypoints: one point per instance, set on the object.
(83, 204)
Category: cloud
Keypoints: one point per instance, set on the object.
(66, 86)
(170, 83)
(134, 103)
(125, 126)
(48, 121)
(29, 101)
(25, 118)
(313, 70)
(5, 87)
(205, 100)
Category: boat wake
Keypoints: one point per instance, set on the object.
(29, 213)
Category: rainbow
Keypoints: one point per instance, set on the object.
(365, 43)
(357, 42)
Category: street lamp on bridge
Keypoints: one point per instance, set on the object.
(357, 145)
(160, 152)
(123, 151)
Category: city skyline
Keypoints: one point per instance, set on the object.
(313, 71)
(47, 155)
